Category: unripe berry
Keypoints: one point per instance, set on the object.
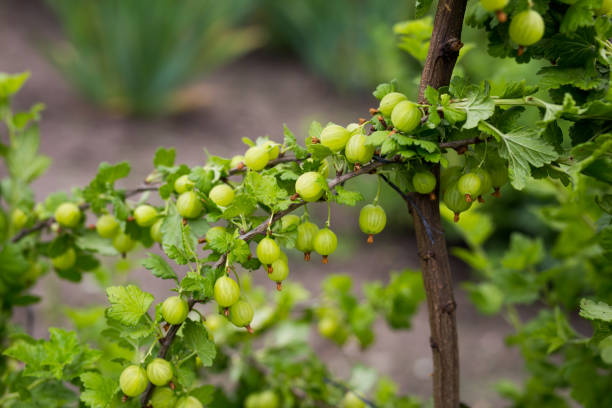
(526, 27)
(133, 381)
(289, 221)
(174, 310)
(469, 185)
(252, 401)
(485, 182)
(107, 226)
(406, 116)
(305, 238)
(499, 177)
(309, 186)
(388, 102)
(189, 402)
(222, 195)
(183, 184)
(123, 243)
(65, 260)
(268, 399)
(606, 8)
(334, 137)
(351, 400)
(354, 128)
(241, 314)
(159, 372)
(356, 150)
(163, 397)
(327, 326)
(189, 205)
(156, 232)
(424, 182)
(256, 158)
(213, 322)
(455, 201)
(493, 5)
(325, 243)
(280, 272)
(267, 251)
(226, 291)
(372, 220)
(145, 215)
(272, 148)
(236, 161)
(18, 218)
(68, 215)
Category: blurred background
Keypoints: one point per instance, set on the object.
(121, 78)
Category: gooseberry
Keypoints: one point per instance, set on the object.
(237, 161)
(183, 184)
(133, 380)
(107, 226)
(455, 201)
(449, 176)
(268, 251)
(189, 205)
(163, 397)
(241, 314)
(159, 371)
(145, 215)
(388, 102)
(123, 243)
(469, 185)
(351, 400)
(305, 238)
(268, 399)
(280, 271)
(325, 243)
(493, 5)
(272, 148)
(356, 150)
(485, 182)
(256, 158)
(222, 195)
(289, 221)
(605, 9)
(327, 326)
(424, 182)
(215, 232)
(226, 291)
(65, 260)
(334, 137)
(499, 177)
(189, 402)
(156, 232)
(174, 310)
(213, 322)
(252, 401)
(309, 186)
(68, 215)
(354, 128)
(526, 27)
(372, 220)
(406, 116)
(18, 218)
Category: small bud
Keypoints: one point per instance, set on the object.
(373, 111)
(270, 269)
(520, 50)
(456, 218)
(184, 222)
(307, 256)
(501, 16)
(240, 166)
(432, 196)
(279, 286)
(324, 260)
(315, 140)
(130, 218)
(226, 312)
(249, 329)
(370, 239)
(201, 240)
(480, 199)
(496, 193)
(361, 121)
(468, 198)
(294, 197)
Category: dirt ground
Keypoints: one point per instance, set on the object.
(251, 97)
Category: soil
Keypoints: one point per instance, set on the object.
(251, 97)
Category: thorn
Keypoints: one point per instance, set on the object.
(456, 218)
(480, 199)
(249, 329)
(496, 193)
(279, 286)
(226, 312)
(468, 198)
(501, 16)
(520, 50)
(432, 196)
(307, 256)
(370, 239)
(270, 269)
(324, 260)
(201, 240)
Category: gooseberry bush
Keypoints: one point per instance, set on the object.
(460, 144)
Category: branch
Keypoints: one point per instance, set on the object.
(459, 144)
(271, 163)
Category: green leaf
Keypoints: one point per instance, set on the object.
(266, 190)
(383, 89)
(592, 310)
(159, 267)
(377, 138)
(109, 173)
(196, 338)
(318, 151)
(580, 14)
(422, 7)
(194, 282)
(11, 84)
(164, 157)
(99, 390)
(92, 241)
(346, 197)
(128, 303)
(523, 252)
(290, 143)
(205, 394)
(478, 107)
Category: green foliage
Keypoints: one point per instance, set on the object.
(136, 57)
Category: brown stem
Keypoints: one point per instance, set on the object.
(441, 58)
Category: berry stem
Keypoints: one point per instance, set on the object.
(378, 191)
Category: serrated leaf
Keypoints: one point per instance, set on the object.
(159, 267)
(346, 197)
(99, 390)
(478, 107)
(290, 143)
(128, 303)
(377, 138)
(164, 157)
(196, 338)
(385, 88)
(592, 310)
(205, 394)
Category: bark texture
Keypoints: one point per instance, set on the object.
(441, 59)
